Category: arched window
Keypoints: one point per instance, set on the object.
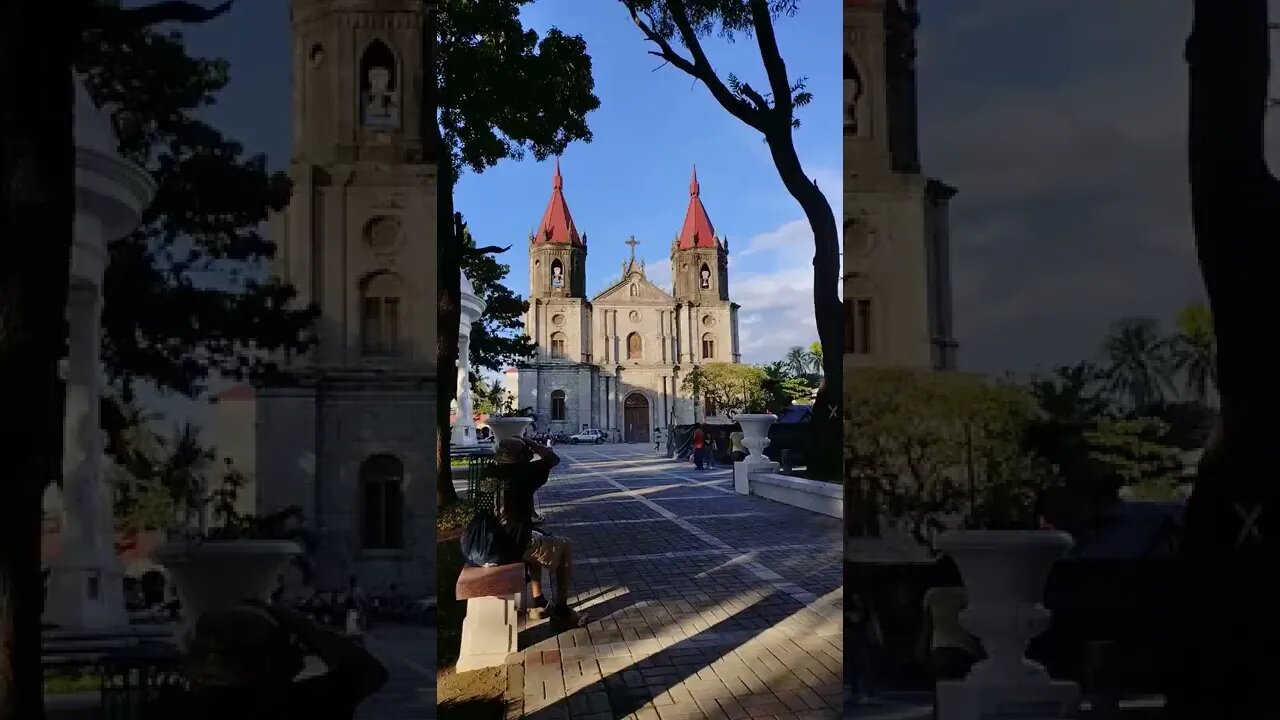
(635, 347)
(557, 405)
(557, 345)
(557, 274)
(382, 502)
(381, 315)
(704, 275)
(635, 290)
(379, 87)
(708, 347)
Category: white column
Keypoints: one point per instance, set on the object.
(86, 579)
(464, 428)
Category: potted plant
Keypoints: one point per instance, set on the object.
(236, 557)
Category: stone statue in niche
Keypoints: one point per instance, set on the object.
(706, 277)
(557, 276)
(379, 89)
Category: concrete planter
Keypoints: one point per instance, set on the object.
(813, 495)
(219, 574)
(755, 431)
(1004, 575)
(506, 427)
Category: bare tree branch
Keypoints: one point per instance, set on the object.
(700, 67)
(775, 67)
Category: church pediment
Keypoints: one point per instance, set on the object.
(634, 289)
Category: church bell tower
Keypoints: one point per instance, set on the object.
(346, 431)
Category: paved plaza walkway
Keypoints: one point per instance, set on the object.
(704, 603)
(409, 652)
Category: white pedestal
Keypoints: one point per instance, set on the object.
(489, 632)
(506, 427)
(744, 469)
(964, 700)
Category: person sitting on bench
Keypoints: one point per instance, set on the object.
(526, 466)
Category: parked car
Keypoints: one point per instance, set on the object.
(588, 436)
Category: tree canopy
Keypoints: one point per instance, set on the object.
(186, 294)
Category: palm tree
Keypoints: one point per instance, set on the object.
(1138, 366)
(798, 361)
(815, 356)
(1072, 394)
(1193, 350)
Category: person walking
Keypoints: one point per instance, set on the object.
(699, 447)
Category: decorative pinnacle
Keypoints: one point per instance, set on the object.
(693, 183)
(557, 182)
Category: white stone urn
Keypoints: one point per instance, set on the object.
(506, 427)
(755, 434)
(219, 574)
(1004, 574)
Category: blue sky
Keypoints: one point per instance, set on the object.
(652, 127)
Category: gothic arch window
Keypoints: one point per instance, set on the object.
(557, 345)
(854, 94)
(635, 347)
(708, 346)
(379, 87)
(558, 406)
(382, 502)
(704, 277)
(557, 274)
(382, 315)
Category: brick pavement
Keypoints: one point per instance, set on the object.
(704, 603)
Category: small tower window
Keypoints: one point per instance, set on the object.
(382, 315)
(557, 345)
(557, 405)
(635, 347)
(708, 347)
(379, 87)
(557, 274)
(705, 273)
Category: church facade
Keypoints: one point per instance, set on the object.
(616, 361)
(897, 282)
(347, 430)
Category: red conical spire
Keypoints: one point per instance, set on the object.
(557, 224)
(697, 230)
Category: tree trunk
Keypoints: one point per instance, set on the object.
(826, 453)
(1228, 660)
(449, 263)
(37, 207)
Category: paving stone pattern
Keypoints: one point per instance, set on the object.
(704, 603)
(409, 653)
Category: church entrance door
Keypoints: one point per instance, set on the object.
(635, 419)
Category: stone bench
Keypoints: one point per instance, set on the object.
(491, 629)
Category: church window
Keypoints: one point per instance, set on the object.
(382, 502)
(705, 275)
(635, 347)
(708, 347)
(859, 332)
(382, 315)
(379, 87)
(557, 345)
(558, 407)
(557, 274)
(708, 407)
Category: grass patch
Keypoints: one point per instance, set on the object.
(457, 515)
(69, 683)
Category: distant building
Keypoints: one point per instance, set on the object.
(616, 361)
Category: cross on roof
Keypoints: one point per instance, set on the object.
(633, 242)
